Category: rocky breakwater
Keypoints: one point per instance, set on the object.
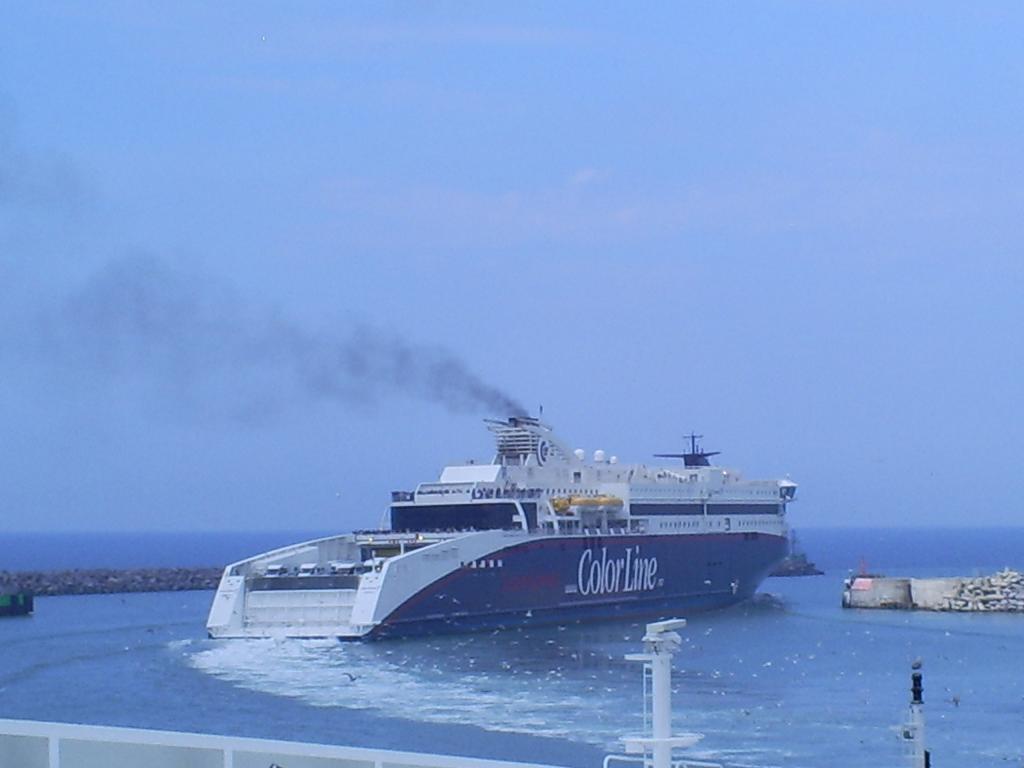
(101, 581)
(1003, 591)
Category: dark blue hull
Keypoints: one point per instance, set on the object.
(562, 579)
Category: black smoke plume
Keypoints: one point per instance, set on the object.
(139, 316)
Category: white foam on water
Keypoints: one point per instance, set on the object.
(463, 684)
(331, 674)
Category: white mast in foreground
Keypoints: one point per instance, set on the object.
(660, 642)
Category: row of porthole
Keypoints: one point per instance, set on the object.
(696, 523)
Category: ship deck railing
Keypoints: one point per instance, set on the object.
(32, 744)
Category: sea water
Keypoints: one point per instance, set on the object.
(788, 679)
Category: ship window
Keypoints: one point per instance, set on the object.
(452, 517)
(666, 509)
(741, 509)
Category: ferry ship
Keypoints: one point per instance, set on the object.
(539, 535)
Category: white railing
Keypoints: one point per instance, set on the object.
(30, 744)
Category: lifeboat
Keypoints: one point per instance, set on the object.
(567, 505)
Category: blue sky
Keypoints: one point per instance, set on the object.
(794, 227)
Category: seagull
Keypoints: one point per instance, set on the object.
(352, 678)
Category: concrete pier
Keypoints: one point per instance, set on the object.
(1002, 592)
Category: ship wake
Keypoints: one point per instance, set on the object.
(325, 673)
(558, 683)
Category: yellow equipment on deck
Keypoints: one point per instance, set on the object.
(567, 505)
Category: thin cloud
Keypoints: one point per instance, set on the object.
(885, 188)
(431, 33)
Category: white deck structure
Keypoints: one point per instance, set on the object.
(28, 744)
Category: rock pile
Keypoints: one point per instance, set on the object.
(1003, 591)
(797, 565)
(108, 581)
